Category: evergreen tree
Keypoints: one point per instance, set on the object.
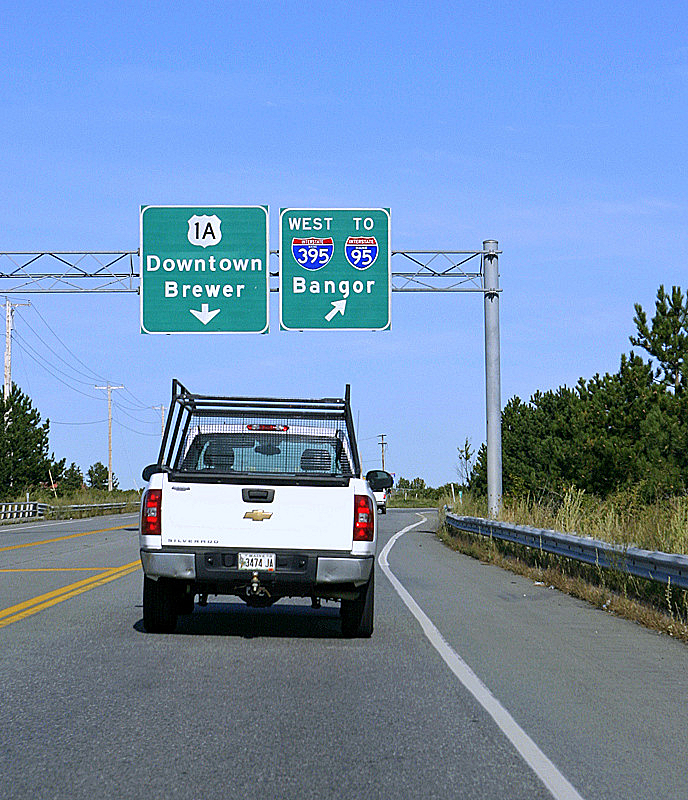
(611, 432)
(24, 460)
(97, 477)
(72, 479)
(666, 339)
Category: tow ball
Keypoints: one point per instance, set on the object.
(256, 588)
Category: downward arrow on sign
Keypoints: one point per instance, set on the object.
(204, 315)
(338, 307)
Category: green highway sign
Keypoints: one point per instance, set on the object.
(335, 269)
(204, 269)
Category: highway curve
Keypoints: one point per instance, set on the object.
(564, 700)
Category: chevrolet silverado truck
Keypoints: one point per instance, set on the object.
(260, 498)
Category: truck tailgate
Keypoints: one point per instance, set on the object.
(298, 518)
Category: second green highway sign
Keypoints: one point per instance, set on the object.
(335, 269)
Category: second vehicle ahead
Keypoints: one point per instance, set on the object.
(381, 500)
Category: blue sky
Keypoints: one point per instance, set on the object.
(558, 130)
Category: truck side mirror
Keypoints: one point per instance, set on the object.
(151, 469)
(379, 479)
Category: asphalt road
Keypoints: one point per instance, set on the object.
(275, 703)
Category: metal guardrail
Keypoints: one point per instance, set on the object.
(22, 510)
(19, 511)
(60, 511)
(652, 565)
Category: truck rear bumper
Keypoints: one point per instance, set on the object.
(311, 568)
(343, 570)
(169, 565)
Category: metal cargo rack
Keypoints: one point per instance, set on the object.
(188, 412)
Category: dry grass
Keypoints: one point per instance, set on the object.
(621, 518)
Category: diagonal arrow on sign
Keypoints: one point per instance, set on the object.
(204, 315)
(338, 307)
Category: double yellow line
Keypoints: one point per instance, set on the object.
(36, 604)
(61, 538)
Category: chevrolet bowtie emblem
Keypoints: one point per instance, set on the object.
(257, 515)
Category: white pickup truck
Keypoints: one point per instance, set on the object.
(259, 498)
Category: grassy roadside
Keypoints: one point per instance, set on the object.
(397, 500)
(658, 607)
(622, 518)
(62, 506)
(414, 502)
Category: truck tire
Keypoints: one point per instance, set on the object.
(357, 615)
(185, 603)
(160, 604)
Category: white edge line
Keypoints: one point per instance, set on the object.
(559, 787)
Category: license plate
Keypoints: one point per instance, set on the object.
(264, 562)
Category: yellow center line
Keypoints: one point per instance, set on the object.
(62, 538)
(29, 607)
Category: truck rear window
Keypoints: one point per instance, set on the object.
(261, 453)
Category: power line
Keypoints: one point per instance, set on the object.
(140, 402)
(25, 349)
(89, 371)
(122, 408)
(51, 368)
(96, 422)
(133, 430)
(19, 338)
(94, 374)
(55, 353)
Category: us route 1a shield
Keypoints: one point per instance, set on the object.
(204, 269)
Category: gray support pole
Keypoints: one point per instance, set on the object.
(492, 378)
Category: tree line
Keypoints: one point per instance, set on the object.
(609, 432)
(25, 460)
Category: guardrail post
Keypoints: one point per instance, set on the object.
(492, 378)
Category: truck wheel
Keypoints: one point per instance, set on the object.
(185, 603)
(357, 615)
(160, 604)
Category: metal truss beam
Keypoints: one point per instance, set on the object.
(111, 271)
(68, 272)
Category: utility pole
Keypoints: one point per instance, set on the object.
(162, 418)
(109, 389)
(9, 316)
(383, 444)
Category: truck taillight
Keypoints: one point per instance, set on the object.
(364, 519)
(150, 517)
